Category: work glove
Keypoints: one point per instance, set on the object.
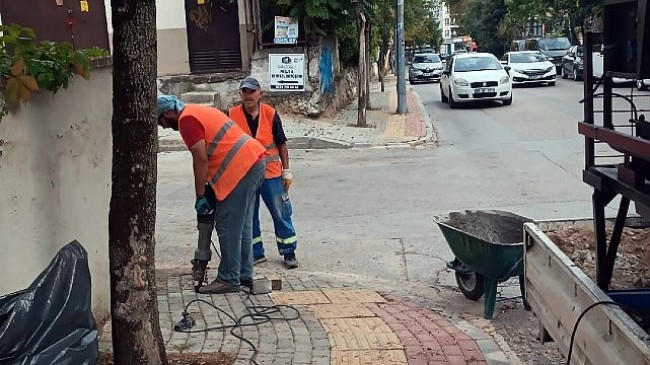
(286, 178)
(202, 206)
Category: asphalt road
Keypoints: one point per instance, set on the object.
(369, 213)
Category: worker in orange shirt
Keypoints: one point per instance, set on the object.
(229, 168)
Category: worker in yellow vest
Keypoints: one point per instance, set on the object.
(263, 122)
(229, 168)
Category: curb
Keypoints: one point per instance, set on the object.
(431, 135)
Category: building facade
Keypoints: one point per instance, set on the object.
(194, 36)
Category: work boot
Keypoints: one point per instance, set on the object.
(198, 270)
(218, 287)
(259, 260)
(290, 261)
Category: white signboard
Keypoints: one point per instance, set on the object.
(286, 30)
(287, 72)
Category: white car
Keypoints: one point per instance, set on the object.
(471, 77)
(530, 67)
(642, 84)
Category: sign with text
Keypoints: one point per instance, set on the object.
(287, 72)
(286, 30)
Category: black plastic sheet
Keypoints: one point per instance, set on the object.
(51, 322)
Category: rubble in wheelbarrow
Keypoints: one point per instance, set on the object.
(493, 226)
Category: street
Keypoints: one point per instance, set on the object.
(368, 212)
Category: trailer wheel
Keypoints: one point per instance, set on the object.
(471, 285)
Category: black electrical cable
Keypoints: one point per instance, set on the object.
(258, 314)
(575, 327)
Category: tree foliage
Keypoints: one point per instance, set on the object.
(481, 19)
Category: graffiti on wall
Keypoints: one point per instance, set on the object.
(326, 68)
(201, 17)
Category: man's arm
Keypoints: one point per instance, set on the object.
(280, 140)
(200, 164)
(284, 155)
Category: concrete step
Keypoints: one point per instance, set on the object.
(209, 98)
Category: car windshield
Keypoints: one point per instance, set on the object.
(554, 44)
(426, 59)
(476, 64)
(527, 57)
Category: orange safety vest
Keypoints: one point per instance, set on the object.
(264, 135)
(231, 152)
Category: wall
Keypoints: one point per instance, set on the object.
(55, 174)
(328, 87)
(173, 57)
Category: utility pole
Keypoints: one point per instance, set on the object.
(400, 61)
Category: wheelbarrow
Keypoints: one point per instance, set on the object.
(488, 249)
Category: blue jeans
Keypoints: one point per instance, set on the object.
(233, 217)
(277, 201)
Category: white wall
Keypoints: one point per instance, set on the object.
(173, 57)
(55, 175)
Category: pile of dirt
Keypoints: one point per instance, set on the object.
(631, 268)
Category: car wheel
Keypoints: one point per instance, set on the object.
(563, 72)
(411, 82)
(452, 103)
(575, 74)
(640, 85)
(552, 83)
(443, 98)
(508, 101)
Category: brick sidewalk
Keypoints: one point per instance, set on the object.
(338, 324)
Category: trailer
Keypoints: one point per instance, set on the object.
(559, 292)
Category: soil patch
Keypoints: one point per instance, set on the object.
(631, 266)
(215, 358)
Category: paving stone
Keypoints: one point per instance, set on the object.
(358, 296)
(369, 357)
(340, 311)
(301, 297)
(360, 334)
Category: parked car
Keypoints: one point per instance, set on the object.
(598, 62)
(554, 48)
(529, 67)
(472, 77)
(642, 85)
(425, 67)
(572, 63)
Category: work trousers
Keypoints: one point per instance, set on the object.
(276, 199)
(232, 218)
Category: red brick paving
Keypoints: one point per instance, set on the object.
(428, 338)
(415, 125)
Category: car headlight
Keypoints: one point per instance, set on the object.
(504, 79)
(461, 82)
(549, 69)
(518, 70)
(439, 67)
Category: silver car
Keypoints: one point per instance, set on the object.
(425, 67)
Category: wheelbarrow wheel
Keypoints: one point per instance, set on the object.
(471, 285)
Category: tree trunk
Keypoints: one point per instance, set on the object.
(135, 324)
(363, 90)
(366, 32)
(380, 65)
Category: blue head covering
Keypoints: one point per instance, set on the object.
(168, 102)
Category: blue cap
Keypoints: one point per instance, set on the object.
(250, 83)
(168, 102)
